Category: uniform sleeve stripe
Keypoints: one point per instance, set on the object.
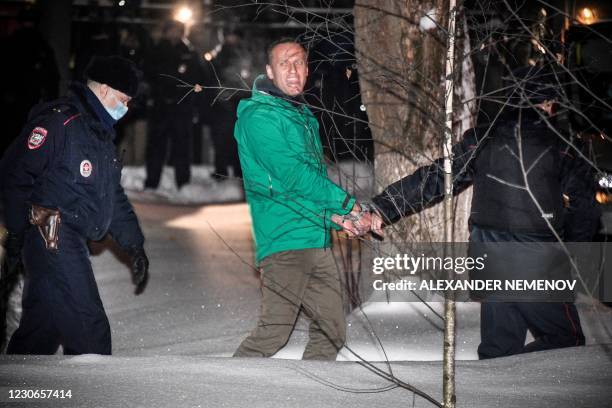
(70, 118)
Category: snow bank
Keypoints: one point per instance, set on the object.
(579, 377)
(202, 188)
(172, 344)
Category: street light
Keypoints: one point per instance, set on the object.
(587, 16)
(184, 14)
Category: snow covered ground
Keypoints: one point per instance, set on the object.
(201, 189)
(355, 177)
(171, 344)
(580, 378)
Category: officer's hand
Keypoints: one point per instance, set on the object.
(376, 225)
(12, 264)
(139, 266)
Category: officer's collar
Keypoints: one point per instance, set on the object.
(104, 117)
(94, 108)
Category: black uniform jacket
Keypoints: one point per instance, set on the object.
(495, 159)
(530, 186)
(65, 159)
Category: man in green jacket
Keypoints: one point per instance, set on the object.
(291, 201)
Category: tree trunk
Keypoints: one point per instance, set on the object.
(401, 71)
(448, 362)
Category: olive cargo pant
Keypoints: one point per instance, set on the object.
(291, 280)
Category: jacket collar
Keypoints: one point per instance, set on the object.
(93, 111)
(263, 84)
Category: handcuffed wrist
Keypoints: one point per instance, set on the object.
(354, 216)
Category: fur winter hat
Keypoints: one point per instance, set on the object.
(117, 72)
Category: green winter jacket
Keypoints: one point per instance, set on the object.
(285, 179)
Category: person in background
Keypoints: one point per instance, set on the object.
(514, 223)
(171, 118)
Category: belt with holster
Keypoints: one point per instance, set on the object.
(48, 222)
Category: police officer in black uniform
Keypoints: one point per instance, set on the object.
(561, 182)
(171, 119)
(61, 187)
(223, 103)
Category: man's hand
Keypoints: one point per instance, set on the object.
(358, 222)
(347, 225)
(139, 267)
(376, 224)
(362, 222)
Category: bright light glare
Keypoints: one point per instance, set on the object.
(183, 14)
(587, 16)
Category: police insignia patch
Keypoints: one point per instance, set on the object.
(37, 138)
(86, 168)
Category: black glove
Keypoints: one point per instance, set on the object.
(139, 266)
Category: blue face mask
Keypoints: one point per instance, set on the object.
(118, 111)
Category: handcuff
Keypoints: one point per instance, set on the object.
(365, 208)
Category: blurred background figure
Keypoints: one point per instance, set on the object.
(133, 42)
(232, 69)
(333, 90)
(171, 118)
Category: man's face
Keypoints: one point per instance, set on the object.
(111, 98)
(288, 68)
(549, 106)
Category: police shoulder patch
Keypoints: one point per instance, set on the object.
(37, 138)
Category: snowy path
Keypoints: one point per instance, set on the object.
(557, 379)
(170, 343)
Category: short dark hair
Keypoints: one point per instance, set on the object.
(284, 40)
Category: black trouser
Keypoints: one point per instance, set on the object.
(504, 325)
(61, 303)
(222, 134)
(169, 124)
